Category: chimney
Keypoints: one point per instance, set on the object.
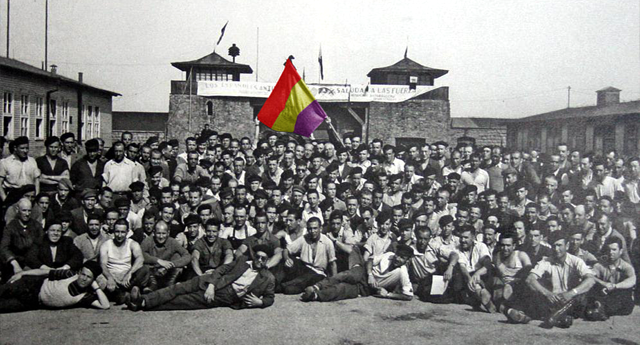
(608, 96)
(54, 69)
(80, 76)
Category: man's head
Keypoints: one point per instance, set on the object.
(24, 210)
(615, 249)
(261, 255)
(161, 232)
(559, 245)
(467, 237)
(403, 254)
(120, 230)
(118, 151)
(507, 243)
(88, 273)
(489, 235)
(21, 148)
(314, 229)
(211, 230)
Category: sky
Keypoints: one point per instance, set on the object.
(506, 58)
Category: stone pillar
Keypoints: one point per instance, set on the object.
(543, 139)
(565, 133)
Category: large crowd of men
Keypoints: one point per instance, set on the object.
(228, 222)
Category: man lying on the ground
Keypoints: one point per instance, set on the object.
(616, 280)
(244, 283)
(555, 281)
(48, 288)
(388, 278)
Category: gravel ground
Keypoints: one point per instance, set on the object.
(289, 321)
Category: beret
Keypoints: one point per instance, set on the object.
(137, 186)
(298, 189)
(192, 219)
(89, 193)
(66, 182)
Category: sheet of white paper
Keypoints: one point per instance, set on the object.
(439, 285)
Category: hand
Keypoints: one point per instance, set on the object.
(328, 119)
(111, 284)
(372, 282)
(15, 277)
(610, 287)
(65, 267)
(289, 263)
(209, 271)
(210, 293)
(126, 281)
(165, 264)
(448, 274)
(554, 298)
(252, 301)
(473, 282)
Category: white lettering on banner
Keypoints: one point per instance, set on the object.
(323, 93)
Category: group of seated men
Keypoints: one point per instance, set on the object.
(227, 223)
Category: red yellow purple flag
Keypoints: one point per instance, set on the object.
(291, 107)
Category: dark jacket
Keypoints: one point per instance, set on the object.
(66, 254)
(262, 287)
(81, 174)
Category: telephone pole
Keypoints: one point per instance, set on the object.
(569, 97)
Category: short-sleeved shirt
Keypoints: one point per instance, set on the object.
(317, 259)
(453, 244)
(392, 279)
(346, 236)
(564, 276)
(17, 173)
(59, 166)
(423, 264)
(119, 175)
(613, 274)
(211, 257)
(377, 245)
(471, 259)
(267, 238)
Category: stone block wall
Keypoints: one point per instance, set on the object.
(428, 119)
(484, 136)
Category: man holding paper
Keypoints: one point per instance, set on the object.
(431, 267)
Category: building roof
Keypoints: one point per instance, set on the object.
(608, 89)
(478, 122)
(139, 121)
(26, 68)
(625, 108)
(212, 60)
(408, 65)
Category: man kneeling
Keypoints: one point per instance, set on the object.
(240, 284)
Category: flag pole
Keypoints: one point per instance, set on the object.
(190, 84)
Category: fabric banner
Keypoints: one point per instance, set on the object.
(322, 93)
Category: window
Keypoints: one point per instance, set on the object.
(39, 118)
(65, 116)
(7, 127)
(53, 111)
(209, 108)
(24, 115)
(24, 105)
(96, 122)
(7, 107)
(89, 122)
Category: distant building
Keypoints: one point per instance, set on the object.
(484, 131)
(142, 125)
(609, 125)
(37, 103)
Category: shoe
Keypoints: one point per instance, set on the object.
(135, 299)
(517, 316)
(309, 294)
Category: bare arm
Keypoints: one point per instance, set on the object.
(103, 301)
(195, 262)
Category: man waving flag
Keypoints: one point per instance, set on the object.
(291, 107)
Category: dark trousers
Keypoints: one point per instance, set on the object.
(293, 280)
(344, 285)
(617, 302)
(188, 296)
(163, 278)
(139, 278)
(21, 295)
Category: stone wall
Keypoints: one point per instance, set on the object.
(138, 136)
(484, 136)
(428, 119)
(232, 115)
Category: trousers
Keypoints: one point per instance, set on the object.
(188, 296)
(344, 285)
(21, 295)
